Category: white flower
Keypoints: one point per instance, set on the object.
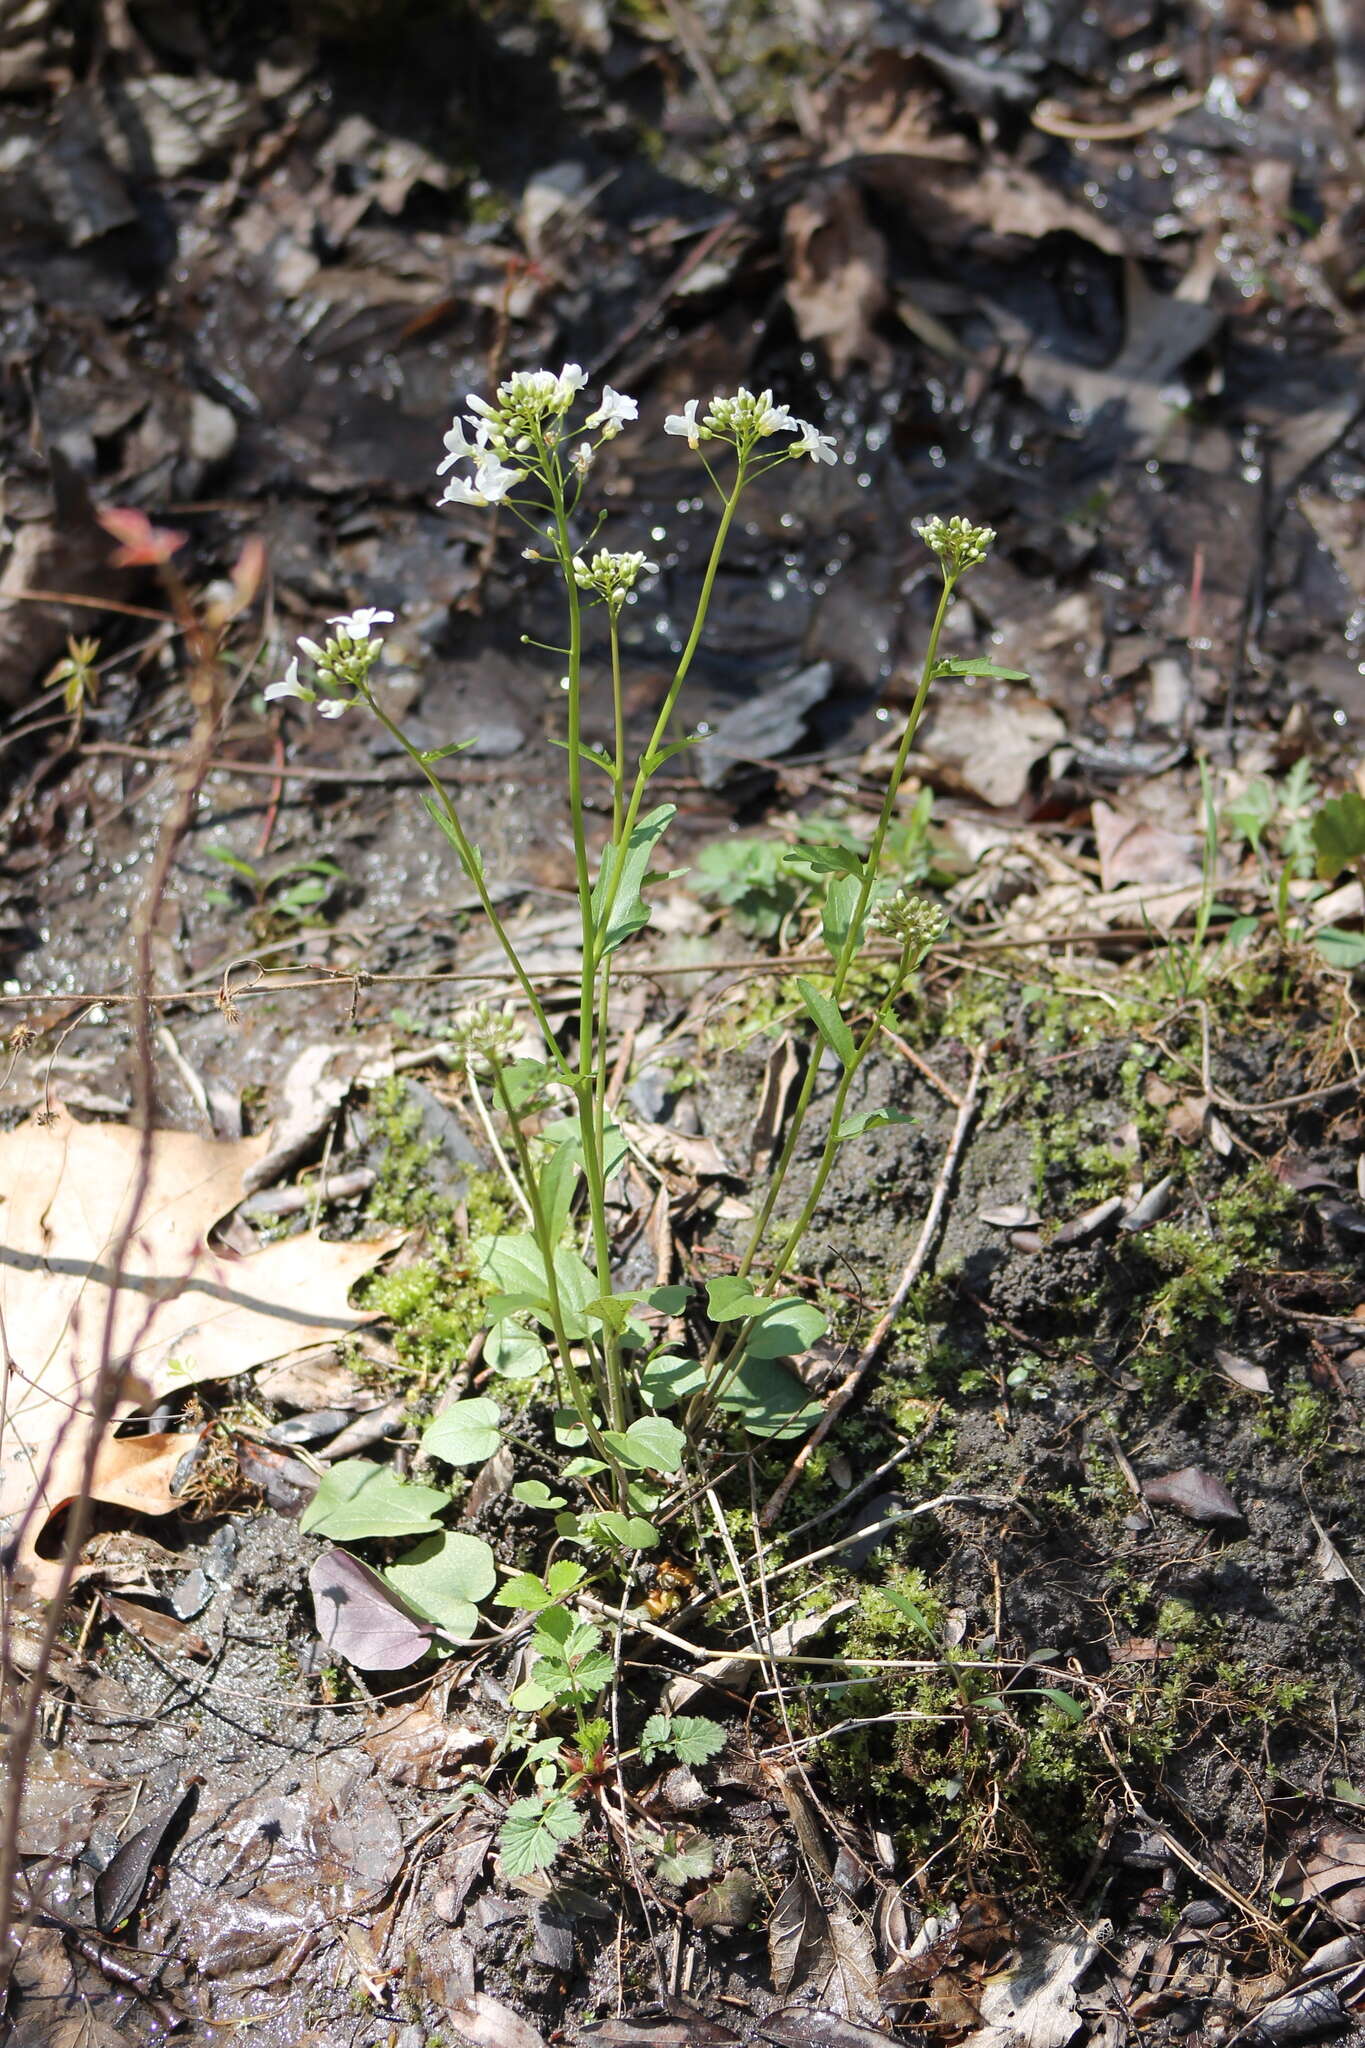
(459, 491)
(493, 480)
(612, 414)
(567, 386)
(582, 457)
(770, 418)
(820, 447)
(356, 625)
(332, 707)
(310, 648)
(458, 447)
(686, 422)
(290, 687)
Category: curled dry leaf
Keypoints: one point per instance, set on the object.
(181, 1311)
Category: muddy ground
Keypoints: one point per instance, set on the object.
(1092, 275)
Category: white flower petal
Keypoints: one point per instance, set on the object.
(459, 491)
(290, 687)
(332, 707)
(614, 411)
(685, 422)
(357, 624)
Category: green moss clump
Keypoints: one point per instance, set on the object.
(436, 1302)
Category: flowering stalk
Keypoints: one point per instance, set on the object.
(959, 546)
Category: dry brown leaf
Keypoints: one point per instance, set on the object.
(182, 1312)
(986, 742)
(836, 276)
(1137, 849)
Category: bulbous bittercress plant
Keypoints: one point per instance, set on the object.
(633, 1401)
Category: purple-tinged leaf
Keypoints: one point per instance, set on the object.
(1196, 1495)
(359, 1618)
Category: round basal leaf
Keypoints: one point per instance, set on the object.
(514, 1354)
(788, 1327)
(358, 1498)
(444, 1577)
(465, 1434)
(534, 1493)
(769, 1401)
(729, 1299)
(652, 1444)
(630, 1532)
(358, 1617)
(666, 1381)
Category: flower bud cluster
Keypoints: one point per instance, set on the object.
(481, 1034)
(745, 420)
(917, 923)
(958, 544)
(507, 437)
(341, 666)
(611, 577)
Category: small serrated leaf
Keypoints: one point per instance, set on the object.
(1339, 834)
(534, 1832)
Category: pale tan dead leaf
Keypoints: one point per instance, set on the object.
(893, 108)
(1133, 848)
(987, 742)
(836, 276)
(182, 1312)
(1033, 2005)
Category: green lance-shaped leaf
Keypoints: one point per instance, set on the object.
(841, 902)
(628, 913)
(970, 666)
(870, 1120)
(825, 860)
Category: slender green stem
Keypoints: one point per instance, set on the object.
(470, 862)
(648, 765)
(545, 1243)
(705, 1401)
(591, 1055)
(619, 714)
(848, 952)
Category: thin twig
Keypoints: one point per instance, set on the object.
(838, 1401)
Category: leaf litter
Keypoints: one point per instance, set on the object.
(179, 1312)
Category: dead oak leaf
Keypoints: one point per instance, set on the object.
(181, 1310)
